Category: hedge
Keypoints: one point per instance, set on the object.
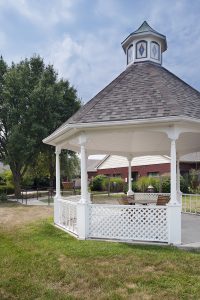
(104, 183)
(6, 189)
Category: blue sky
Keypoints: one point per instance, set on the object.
(82, 38)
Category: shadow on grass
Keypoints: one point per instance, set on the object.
(9, 204)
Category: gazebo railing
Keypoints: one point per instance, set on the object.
(151, 222)
(191, 203)
(68, 213)
(127, 222)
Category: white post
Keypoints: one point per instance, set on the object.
(174, 208)
(58, 171)
(84, 181)
(173, 172)
(178, 181)
(83, 205)
(174, 223)
(130, 191)
(58, 195)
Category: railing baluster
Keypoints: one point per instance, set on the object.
(196, 205)
(68, 211)
(190, 203)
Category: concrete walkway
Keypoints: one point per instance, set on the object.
(190, 232)
(33, 201)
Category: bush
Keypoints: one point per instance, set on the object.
(27, 181)
(116, 184)
(183, 185)
(165, 184)
(97, 183)
(6, 186)
(134, 187)
(143, 182)
(6, 189)
(3, 197)
(102, 183)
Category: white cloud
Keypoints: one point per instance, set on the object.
(89, 54)
(89, 62)
(42, 13)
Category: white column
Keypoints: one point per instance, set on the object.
(130, 191)
(174, 223)
(84, 181)
(173, 173)
(83, 205)
(174, 207)
(178, 181)
(58, 195)
(57, 152)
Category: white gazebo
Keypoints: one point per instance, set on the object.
(146, 110)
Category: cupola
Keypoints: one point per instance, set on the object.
(144, 44)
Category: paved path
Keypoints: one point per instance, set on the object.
(190, 231)
(34, 201)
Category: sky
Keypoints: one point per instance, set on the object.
(82, 38)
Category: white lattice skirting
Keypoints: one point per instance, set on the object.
(142, 223)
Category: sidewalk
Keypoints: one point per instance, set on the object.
(33, 201)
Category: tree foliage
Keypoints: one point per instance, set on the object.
(33, 103)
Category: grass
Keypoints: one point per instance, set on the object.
(39, 261)
(191, 203)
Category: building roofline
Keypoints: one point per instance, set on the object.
(78, 126)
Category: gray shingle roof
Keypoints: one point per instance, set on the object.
(143, 91)
(92, 164)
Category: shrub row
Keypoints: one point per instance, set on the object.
(6, 189)
(117, 184)
(104, 183)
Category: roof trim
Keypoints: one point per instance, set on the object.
(102, 161)
(77, 126)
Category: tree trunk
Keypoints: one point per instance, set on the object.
(17, 181)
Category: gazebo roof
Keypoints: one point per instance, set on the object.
(143, 91)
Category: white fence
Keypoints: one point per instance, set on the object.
(153, 223)
(142, 223)
(68, 213)
(191, 203)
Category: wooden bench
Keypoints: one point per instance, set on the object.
(127, 200)
(162, 199)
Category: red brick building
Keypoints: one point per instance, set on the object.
(141, 166)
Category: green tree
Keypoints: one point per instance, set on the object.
(33, 103)
(70, 165)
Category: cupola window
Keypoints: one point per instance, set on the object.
(130, 54)
(141, 49)
(155, 50)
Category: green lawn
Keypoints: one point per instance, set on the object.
(191, 203)
(39, 261)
